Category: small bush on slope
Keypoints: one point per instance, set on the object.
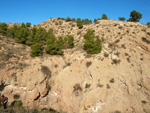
(92, 44)
(36, 50)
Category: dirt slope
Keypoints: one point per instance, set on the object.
(115, 80)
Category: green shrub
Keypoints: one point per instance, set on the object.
(79, 23)
(60, 42)
(122, 18)
(104, 16)
(135, 16)
(20, 34)
(35, 111)
(62, 18)
(53, 47)
(92, 44)
(29, 41)
(23, 25)
(37, 37)
(148, 23)
(36, 50)
(3, 29)
(89, 35)
(28, 24)
(40, 35)
(16, 104)
(70, 41)
(86, 21)
(95, 20)
(73, 19)
(11, 31)
(68, 19)
(82, 20)
(91, 48)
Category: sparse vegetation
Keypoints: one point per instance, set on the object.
(16, 104)
(16, 107)
(36, 38)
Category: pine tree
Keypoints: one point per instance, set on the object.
(79, 23)
(36, 50)
(70, 41)
(68, 19)
(135, 16)
(73, 19)
(28, 24)
(91, 45)
(104, 16)
(95, 20)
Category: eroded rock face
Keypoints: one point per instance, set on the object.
(115, 80)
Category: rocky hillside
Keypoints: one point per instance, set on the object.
(117, 80)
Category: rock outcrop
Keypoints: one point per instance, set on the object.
(115, 80)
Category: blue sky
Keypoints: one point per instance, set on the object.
(36, 11)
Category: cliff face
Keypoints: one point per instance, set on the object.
(117, 79)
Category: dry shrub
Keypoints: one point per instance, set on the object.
(87, 85)
(145, 40)
(106, 54)
(77, 89)
(88, 64)
(112, 80)
(115, 61)
(16, 96)
(46, 71)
